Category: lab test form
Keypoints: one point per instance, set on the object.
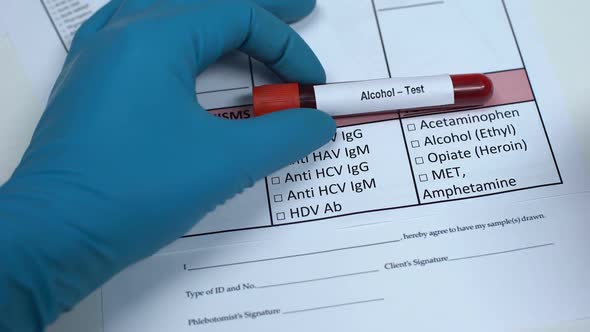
(463, 220)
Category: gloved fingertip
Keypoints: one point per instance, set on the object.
(320, 124)
(305, 7)
(285, 137)
(287, 10)
(306, 69)
(316, 126)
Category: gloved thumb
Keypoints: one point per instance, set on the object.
(281, 138)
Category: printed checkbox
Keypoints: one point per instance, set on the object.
(275, 180)
(411, 127)
(419, 160)
(278, 198)
(415, 144)
(281, 216)
(423, 177)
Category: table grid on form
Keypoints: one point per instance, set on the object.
(391, 161)
(416, 159)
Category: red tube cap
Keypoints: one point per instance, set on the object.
(275, 97)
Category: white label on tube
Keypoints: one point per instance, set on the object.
(384, 95)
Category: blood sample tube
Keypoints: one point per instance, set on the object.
(373, 96)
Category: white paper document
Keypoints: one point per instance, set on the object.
(471, 220)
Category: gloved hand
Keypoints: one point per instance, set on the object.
(124, 160)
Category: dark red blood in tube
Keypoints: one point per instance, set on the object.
(471, 89)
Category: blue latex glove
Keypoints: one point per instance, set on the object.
(124, 160)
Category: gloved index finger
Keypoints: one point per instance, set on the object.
(96, 22)
(288, 10)
(218, 27)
